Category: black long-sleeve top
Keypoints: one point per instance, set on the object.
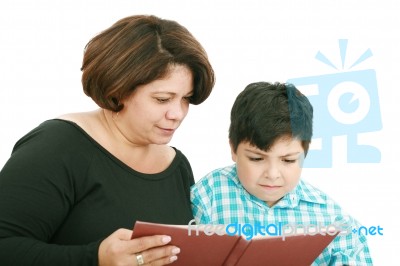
(61, 194)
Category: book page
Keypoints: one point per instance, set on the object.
(200, 248)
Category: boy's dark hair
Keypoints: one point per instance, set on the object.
(264, 112)
(137, 50)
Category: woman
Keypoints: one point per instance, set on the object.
(73, 182)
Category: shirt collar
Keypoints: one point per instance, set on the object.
(302, 192)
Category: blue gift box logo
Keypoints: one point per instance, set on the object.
(344, 103)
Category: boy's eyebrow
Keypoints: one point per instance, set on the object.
(265, 153)
(254, 151)
(290, 154)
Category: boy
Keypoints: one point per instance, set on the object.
(269, 136)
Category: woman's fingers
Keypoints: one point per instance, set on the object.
(158, 255)
(119, 248)
(147, 242)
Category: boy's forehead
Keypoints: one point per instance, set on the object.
(281, 145)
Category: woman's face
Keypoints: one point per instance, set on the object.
(153, 112)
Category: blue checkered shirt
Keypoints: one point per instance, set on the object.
(219, 198)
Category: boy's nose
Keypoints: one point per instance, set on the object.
(272, 171)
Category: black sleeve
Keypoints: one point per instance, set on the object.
(36, 194)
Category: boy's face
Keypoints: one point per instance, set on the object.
(269, 175)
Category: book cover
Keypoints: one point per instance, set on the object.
(202, 245)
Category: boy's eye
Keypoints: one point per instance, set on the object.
(289, 160)
(255, 159)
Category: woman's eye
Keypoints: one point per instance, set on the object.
(162, 100)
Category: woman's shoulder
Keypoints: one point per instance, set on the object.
(52, 143)
(49, 130)
(54, 133)
(85, 120)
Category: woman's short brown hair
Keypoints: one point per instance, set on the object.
(137, 50)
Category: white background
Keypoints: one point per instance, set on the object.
(41, 48)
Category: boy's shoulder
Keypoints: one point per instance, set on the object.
(218, 180)
(310, 193)
(222, 175)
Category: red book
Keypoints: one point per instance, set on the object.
(206, 245)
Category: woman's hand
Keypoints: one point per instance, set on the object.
(120, 249)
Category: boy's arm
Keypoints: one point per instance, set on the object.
(349, 248)
(198, 196)
(353, 251)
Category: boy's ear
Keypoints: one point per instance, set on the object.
(233, 153)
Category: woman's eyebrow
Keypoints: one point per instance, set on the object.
(189, 94)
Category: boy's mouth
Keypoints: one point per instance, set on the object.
(270, 186)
